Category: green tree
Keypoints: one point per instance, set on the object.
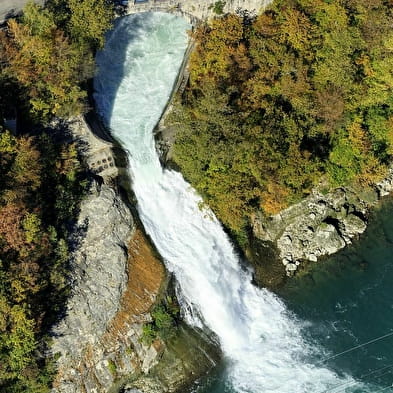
(49, 67)
(89, 21)
(299, 95)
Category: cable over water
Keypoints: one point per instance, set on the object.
(260, 338)
(356, 347)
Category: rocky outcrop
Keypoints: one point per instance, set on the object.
(13, 8)
(319, 225)
(185, 358)
(116, 280)
(99, 276)
(385, 187)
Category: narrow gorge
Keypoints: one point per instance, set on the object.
(261, 340)
(195, 196)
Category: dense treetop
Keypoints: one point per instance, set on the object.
(40, 190)
(47, 56)
(49, 52)
(297, 97)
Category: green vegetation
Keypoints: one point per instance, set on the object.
(49, 53)
(40, 190)
(296, 97)
(112, 367)
(164, 319)
(218, 7)
(46, 60)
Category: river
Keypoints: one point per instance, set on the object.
(270, 344)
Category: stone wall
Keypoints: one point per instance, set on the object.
(196, 10)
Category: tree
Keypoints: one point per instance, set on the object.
(50, 53)
(48, 66)
(301, 94)
(89, 20)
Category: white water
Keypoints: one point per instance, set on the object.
(261, 340)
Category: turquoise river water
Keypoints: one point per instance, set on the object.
(277, 344)
(347, 300)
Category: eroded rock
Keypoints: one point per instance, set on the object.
(99, 276)
(317, 226)
(99, 268)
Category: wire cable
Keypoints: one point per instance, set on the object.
(350, 384)
(387, 387)
(354, 348)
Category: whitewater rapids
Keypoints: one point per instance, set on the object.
(261, 340)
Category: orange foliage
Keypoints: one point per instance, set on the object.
(11, 231)
(273, 200)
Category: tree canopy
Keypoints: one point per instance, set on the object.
(44, 66)
(49, 52)
(299, 96)
(41, 185)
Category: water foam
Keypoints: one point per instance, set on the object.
(262, 341)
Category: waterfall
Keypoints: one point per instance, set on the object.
(260, 338)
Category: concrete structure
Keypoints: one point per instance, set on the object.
(196, 10)
(97, 152)
(193, 11)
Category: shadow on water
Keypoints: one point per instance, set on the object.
(214, 382)
(348, 300)
(117, 41)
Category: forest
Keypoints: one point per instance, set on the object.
(47, 61)
(41, 185)
(49, 55)
(299, 97)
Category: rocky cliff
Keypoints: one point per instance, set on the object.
(99, 278)
(116, 280)
(319, 225)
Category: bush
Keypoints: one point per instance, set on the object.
(218, 7)
(164, 320)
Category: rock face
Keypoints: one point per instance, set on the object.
(105, 226)
(12, 8)
(198, 10)
(185, 358)
(319, 225)
(116, 280)
(385, 187)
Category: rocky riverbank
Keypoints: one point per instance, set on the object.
(116, 280)
(318, 226)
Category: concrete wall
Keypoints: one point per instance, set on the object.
(197, 10)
